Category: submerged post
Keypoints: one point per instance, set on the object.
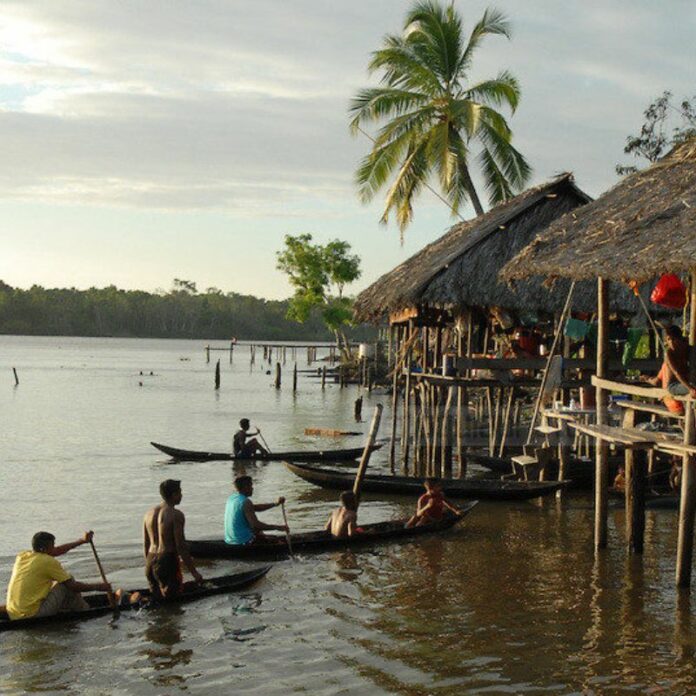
(207, 354)
(687, 501)
(601, 447)
(217, 375)
(374, 427)
(323, 376)
(277, 376)
(294, 379)
(14, 369)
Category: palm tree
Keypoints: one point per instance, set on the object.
(435, 116)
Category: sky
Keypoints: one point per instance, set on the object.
(143, 141)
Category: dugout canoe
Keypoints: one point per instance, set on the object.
(473, 489)
(99, 603)
(327, 455)
(318, 542)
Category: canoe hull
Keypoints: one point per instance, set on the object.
(319, 542)
(471, 489)
(99, 603)
(327, 455)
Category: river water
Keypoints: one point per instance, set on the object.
(514, 601)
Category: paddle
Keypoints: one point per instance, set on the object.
(287, 533)
(110, 595)
(263, 439)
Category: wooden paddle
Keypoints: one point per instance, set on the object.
(265, 444)
(287, 533)
(110, 595)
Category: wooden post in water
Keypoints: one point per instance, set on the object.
(217, 375)
(364, 460)
(636, 464)
(14, 369)
(687, 500)
(294, 379)
(601, 447)
(231, 350)
(277, 376)
(395, 411)
(207, 354)
(357, 409)
(323, 376)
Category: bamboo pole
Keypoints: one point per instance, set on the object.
(445, 446)
(506, 420)
(601, 448)
(394, 415)
(687, 501)
(364, 460)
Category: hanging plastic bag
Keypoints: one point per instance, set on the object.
(669, 292)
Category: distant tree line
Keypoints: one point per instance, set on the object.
(183, 312)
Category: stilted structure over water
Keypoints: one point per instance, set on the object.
(461, 336)
(643, 227)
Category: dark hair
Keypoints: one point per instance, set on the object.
(169, 487)
(244, 423)
(242, 482)
(42, 540)
(674, 331)
(349, 501)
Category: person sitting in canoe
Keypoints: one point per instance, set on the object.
(344, 521)
(241, 524)
(243, 448)
(40, 586)
(165, 544)
(431, 505)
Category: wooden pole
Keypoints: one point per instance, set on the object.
(446, 446)
(394, 415)
(364, 460)
(323, 377)
(294, 379)
(277, 375)
(207, 354)
(217, 375)
(231, 350)
(14, 369)
(687, 501)
(506, 420)
(636, 464)
(110, 595)
(601, 447)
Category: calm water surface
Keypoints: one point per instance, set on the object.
(513, 602)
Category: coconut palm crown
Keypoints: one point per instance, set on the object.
(434, 117)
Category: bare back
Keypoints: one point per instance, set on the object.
(342, 522)
(168, 520)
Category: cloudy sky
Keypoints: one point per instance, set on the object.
(144, 140)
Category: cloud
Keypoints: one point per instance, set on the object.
(243, 106)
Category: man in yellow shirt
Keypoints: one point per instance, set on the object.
(40, 586)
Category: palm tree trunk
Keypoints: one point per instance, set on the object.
(475, 200)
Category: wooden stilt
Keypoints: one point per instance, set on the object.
(372, 435)
(446, 445)
(636, 465)
(277, 375)
(207, 354)
(217, 375)
(323, 376)
(601, 448)
(506, 420)
(294, 379)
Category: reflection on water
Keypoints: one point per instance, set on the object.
(513, 601)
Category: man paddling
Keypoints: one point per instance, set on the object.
(164, 544)
(241, 524)
(242, 446)
(40, 586)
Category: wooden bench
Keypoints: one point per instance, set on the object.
(648, 408)
(628, 438)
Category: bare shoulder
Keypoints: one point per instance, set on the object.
(179, 516)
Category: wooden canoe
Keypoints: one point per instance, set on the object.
(327, 455)
(473, 489)
(99, 603)
(317, 542)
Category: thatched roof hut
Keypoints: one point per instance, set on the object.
(460, 270)
(643, 226)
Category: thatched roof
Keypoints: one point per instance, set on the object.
(642, 227)
(460, 269)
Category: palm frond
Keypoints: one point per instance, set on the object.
(510, 161)
(466, 115)
(376, 167)
(496, 183)
(375, 103)
(492, 23)
(404, 68)
(502, 90)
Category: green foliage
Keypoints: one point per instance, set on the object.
(434, 115)
(665, 126)
(319, 273)
(181, 313)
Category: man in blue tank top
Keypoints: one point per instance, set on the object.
(241, 524)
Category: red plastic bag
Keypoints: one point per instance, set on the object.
(669, 292)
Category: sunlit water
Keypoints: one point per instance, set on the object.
(513, 601)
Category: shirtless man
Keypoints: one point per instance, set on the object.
(343, 522)
(164, 544)
(242, 446)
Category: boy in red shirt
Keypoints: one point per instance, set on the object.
(431, 505)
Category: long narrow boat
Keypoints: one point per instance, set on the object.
(318, 542)
(99, 603)
(327, 455)
(478, 489)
